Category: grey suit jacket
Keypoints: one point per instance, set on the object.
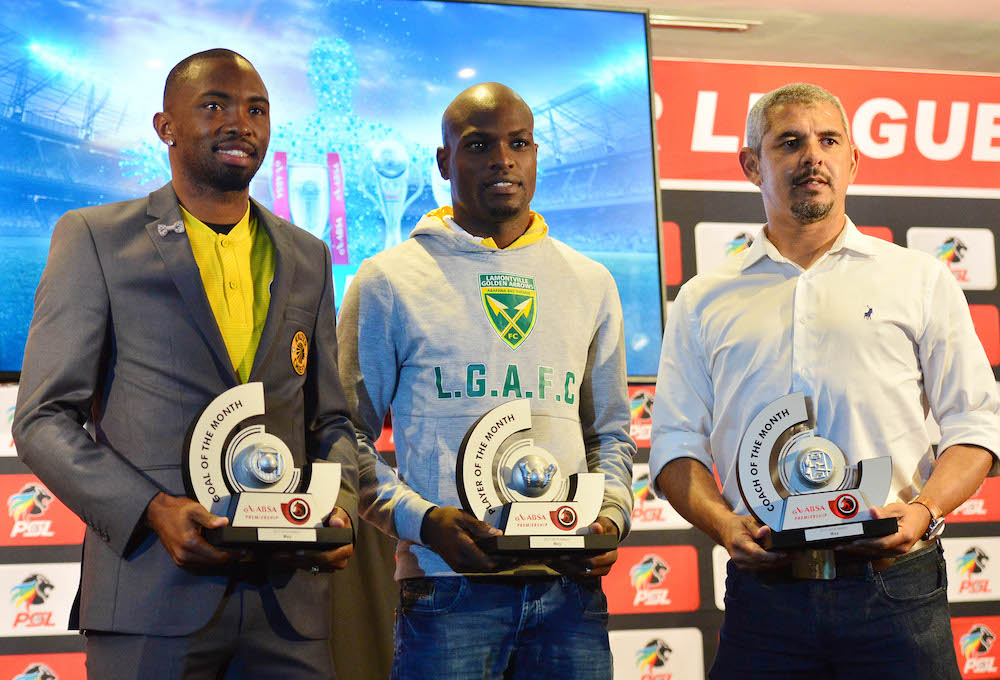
(123, 333)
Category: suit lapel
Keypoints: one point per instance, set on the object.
(167, 233)
(281, 286)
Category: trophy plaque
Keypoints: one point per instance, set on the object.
(236, 469)
(519, 488)
(801, 485)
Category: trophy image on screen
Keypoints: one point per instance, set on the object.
(309, 198)
(518, 487)
(801, 485)
(390, 171)
(236, 469)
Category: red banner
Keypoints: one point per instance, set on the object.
(974, 646)
(48, 666)
(34, 516)
(661, 578)
(913, 128)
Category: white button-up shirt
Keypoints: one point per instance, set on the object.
(872, 332)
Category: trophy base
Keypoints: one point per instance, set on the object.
(814, 537)
(270, 539)
(526, 546)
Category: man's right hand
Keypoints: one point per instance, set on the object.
(178, 522)
(743, 537)
(452, 533)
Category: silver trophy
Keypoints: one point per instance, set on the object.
(390, 171)
(309, 198)
(236, 469)
(802, 486)
(519, 488)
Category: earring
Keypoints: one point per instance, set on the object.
(170, 142)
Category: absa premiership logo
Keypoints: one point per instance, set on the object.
(25, 507)
(647, 578)
(31, 592)
(37, 671)
(975, 646)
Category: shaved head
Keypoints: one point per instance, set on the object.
(188, 68)
(476, 99)
(489, 156)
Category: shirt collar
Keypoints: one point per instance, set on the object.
(243, 230)
(848, 239)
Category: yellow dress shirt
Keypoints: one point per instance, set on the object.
(236, 270)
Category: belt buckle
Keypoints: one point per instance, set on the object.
(814, 565)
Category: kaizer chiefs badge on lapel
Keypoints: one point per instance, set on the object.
(300, 352)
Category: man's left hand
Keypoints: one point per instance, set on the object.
(598, 565)
(328, 561)
(913, 521)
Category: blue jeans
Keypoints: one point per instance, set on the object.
(885, 625)
(465, 628)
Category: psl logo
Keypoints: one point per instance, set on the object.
(37, 671)
(975, 644)
(640, 488)
(641, 511)
(739, 244)
(951, 252)
(973, 562)
(641, 407)
(24, 506)
(32, 591)
(653, 655)
(647, 577)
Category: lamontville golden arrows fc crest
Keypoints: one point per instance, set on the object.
(511, 305)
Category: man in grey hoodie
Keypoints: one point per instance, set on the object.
(417, 336)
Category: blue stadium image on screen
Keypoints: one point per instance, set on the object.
(357, 89)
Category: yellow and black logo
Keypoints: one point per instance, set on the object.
(300, 352)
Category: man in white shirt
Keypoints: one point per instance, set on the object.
(870, 332)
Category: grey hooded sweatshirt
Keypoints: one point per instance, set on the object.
(440, 329)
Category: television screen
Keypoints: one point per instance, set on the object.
(357, 89)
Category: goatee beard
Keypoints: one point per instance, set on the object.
(808, 212)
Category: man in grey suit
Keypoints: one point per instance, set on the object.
(137, 331)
